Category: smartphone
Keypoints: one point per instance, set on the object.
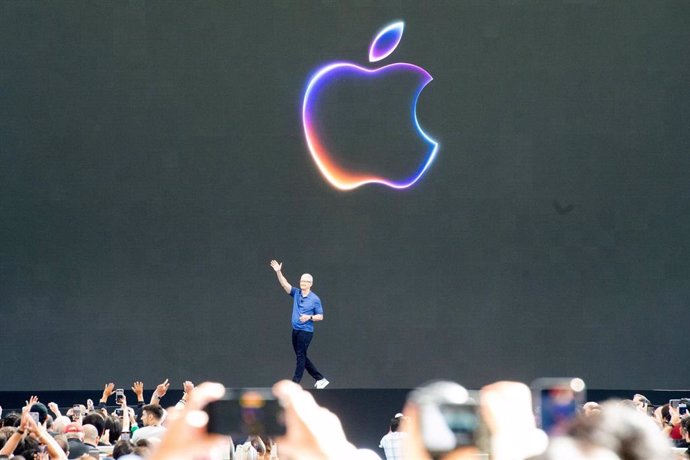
(34, 415)
(119, 395)
(124, 437)
(119, 412)
(246, 412)
(448, 426)
(76, 412)
(557, 401)
(674, 403)
(682, 407)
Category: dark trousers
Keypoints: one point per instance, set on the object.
(300, 343)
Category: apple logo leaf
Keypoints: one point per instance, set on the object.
(386, 41)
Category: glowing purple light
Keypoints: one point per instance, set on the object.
(383, 45)
(386, 41)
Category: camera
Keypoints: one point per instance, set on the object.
(246, 412)
(449, 418)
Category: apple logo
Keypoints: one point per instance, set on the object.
(328, 76)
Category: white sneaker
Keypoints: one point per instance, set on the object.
(321, 384)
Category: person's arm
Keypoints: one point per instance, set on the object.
(54, 409)
(277, 267)
(157, 395)
(305, 318)
(107, 391)
(54, 450)
(317, 317)
(126, 416)
(13, 441)
(188, 387)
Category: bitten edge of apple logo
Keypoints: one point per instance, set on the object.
(383, 44)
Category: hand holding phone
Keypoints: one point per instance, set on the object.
(557, 402)
(246, 412)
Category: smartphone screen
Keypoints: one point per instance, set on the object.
(682, 409)
(558, 402)
(674, 403)
(463, 420)
(119, 394)
(34, 415)
(246, 412)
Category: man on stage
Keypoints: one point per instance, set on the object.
(306, 308)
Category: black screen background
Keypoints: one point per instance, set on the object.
(152, 162)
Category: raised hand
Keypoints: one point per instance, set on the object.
(312, 431)
(54, 409)
(162, 388)
(138, 389)
(108, 390)
(89, 405)
(276, 266)
(188, 387)
(32, 400)
(187, 436)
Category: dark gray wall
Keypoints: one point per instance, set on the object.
(152, 162)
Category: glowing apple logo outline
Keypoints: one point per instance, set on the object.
(382, 46)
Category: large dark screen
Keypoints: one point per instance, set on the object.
(153, 162)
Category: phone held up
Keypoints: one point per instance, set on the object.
(246, 412)
(557, 401)
(449, 418)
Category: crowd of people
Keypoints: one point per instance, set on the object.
(440, 421)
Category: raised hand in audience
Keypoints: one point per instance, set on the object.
(54, 409)
(312, 432)
(138, 389)
(187, 436)
(108, 390)
(507, 410)
(39, 432)
(161, 389)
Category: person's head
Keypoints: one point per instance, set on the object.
(685, 428)
(151, 415)
(396, 422)
(74, 431)
(61, 440)
(142, 451)
(114, 428)
(121, 448)
(60, 423)
(624, 431)
(11, 419)
(96, 419)
(663, 413)
(90, 434)
(42, 411)
(305, 282)
(27, 448)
